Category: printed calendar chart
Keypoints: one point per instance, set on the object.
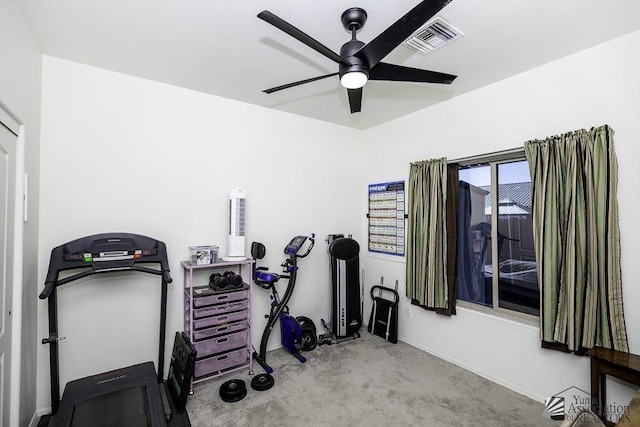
(386, 218)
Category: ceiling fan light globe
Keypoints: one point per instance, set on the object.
(354, 79)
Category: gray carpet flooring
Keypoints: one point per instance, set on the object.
(365, 382)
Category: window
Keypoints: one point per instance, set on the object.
(496, 258)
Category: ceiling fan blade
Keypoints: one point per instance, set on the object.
(398, 32)
(283, 25)
(301, 82)
(355, 99)
(399, 73)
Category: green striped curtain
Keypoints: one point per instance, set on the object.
(426, 246)
(577, 240)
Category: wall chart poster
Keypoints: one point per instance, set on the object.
(386, 218)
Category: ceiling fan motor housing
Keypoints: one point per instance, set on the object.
(347, 52)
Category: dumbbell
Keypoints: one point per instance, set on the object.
(228, 279)
(234, 279)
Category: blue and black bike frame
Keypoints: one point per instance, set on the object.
(290, 328)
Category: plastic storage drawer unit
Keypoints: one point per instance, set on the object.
(220, 362)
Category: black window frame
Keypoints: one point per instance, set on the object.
(493, 160)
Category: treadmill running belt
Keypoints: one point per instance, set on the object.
(122, 408)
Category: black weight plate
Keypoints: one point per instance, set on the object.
(233, 390)
(303, 320)
(262, 382)
(309, 339)
(233, 387)
(236, 398)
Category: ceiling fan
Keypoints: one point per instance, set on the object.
(359, 62)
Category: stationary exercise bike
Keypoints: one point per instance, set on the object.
(297, 333)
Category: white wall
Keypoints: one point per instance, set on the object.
(124, 154)
(20, 63)
(594, 87)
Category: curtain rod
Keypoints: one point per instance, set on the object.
(492, 155)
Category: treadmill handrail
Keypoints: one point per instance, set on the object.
(89, 253)
(48, 286)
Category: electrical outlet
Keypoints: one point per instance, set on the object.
(407, 311)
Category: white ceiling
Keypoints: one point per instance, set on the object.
(222, 48)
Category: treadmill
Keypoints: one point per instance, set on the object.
(131, 396)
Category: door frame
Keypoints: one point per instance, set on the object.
(11, 122)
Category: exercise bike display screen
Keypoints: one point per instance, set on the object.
(294, 245)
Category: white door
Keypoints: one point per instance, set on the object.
(8, 143)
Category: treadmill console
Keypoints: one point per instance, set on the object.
(103, 253)
(112, 250)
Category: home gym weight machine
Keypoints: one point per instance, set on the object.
(297, 333)
(346, 304)
(133, 395)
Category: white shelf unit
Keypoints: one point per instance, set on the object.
(218, 322)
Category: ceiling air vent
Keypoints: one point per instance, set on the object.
(435, 34)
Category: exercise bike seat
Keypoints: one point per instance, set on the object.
(261, 276)
(265, 278)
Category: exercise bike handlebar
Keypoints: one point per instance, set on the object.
(296, 244)
(313, 241)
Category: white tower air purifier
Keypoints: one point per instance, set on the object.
(236, 225)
